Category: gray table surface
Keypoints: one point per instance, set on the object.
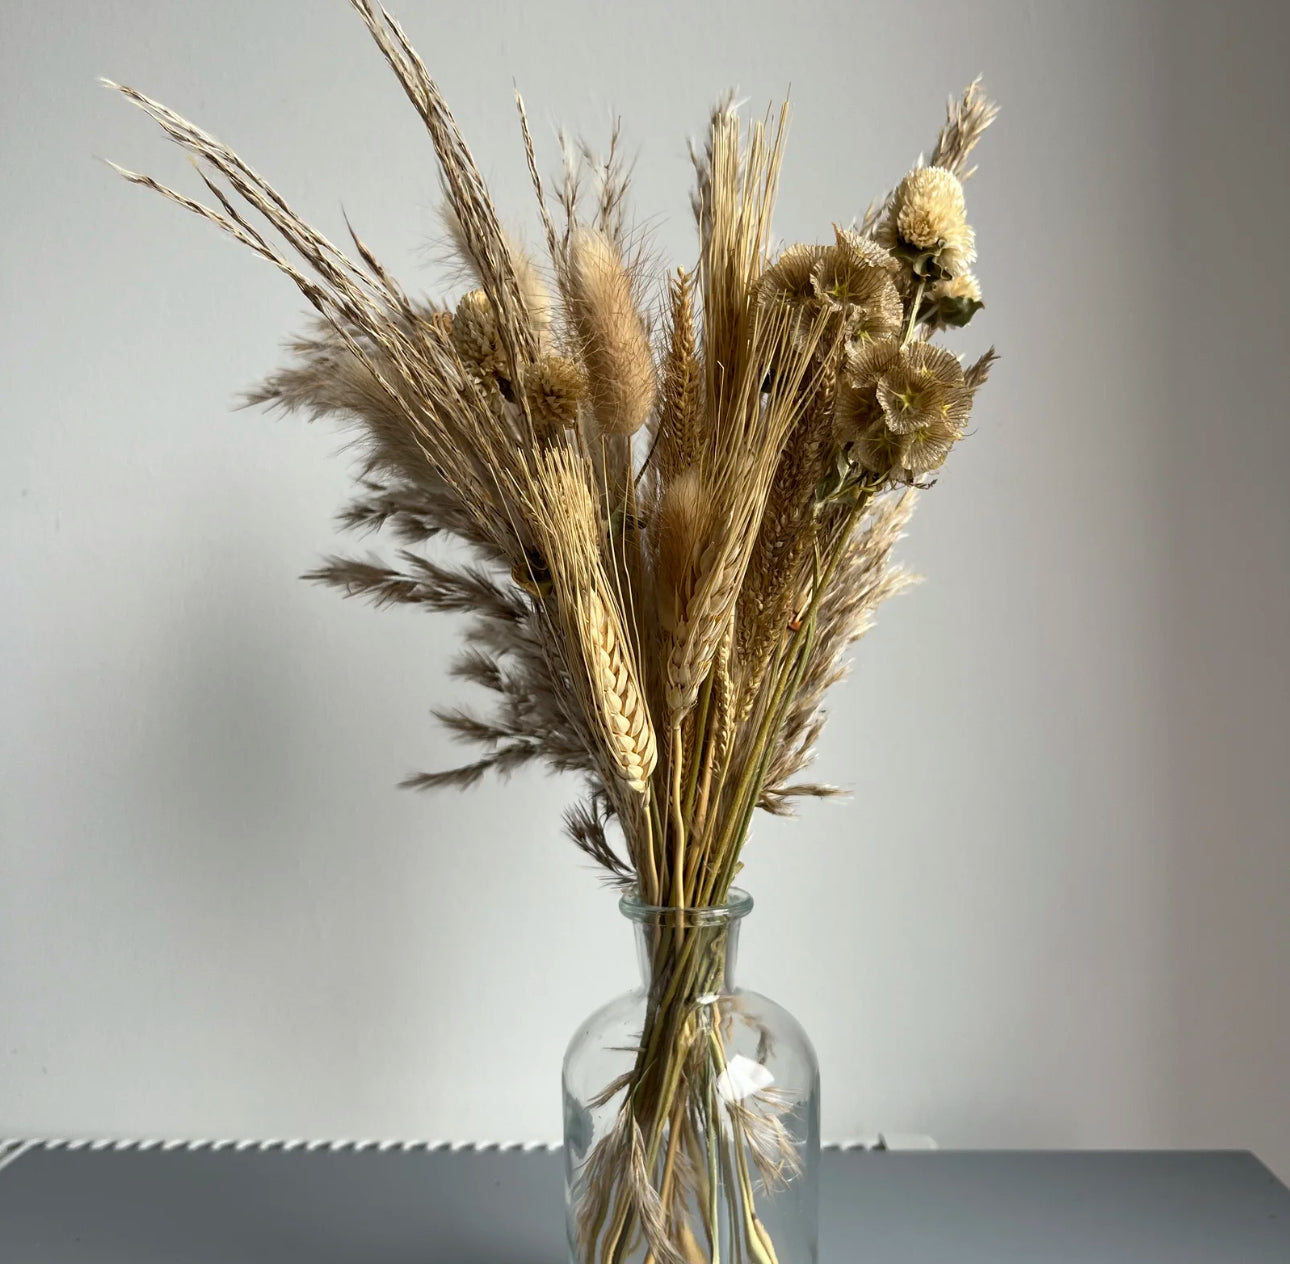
(488, 1207)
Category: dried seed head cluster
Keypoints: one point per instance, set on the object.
(904, 406)
(859, 289)
(671, 542)
(790, 279)
(554, 387)
(475, 334)
(851, 285)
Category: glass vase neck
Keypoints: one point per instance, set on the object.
(666, 936)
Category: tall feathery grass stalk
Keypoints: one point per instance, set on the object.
(678, 521)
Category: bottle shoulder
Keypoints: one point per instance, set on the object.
(616, 1017)
(759, 1008)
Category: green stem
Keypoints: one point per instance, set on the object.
(678, 822)
(913, 312)
(650, 893)
(700, 737)
(759, 1243)
(714, 1200)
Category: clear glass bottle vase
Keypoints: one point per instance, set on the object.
(691, 1109)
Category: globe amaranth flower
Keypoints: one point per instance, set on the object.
(926, 224)
(963, 286)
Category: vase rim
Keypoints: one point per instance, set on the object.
(738, 904)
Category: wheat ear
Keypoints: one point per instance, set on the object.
(570, 536)
(619, 702)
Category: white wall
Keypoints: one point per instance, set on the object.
(1058, 912)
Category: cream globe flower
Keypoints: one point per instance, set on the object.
(927, 224)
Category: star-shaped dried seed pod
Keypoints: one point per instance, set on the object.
(861, 294)
(923, 384)
(788, 279)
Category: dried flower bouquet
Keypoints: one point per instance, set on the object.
(679, 520)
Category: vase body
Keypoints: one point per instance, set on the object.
(691, 1109)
